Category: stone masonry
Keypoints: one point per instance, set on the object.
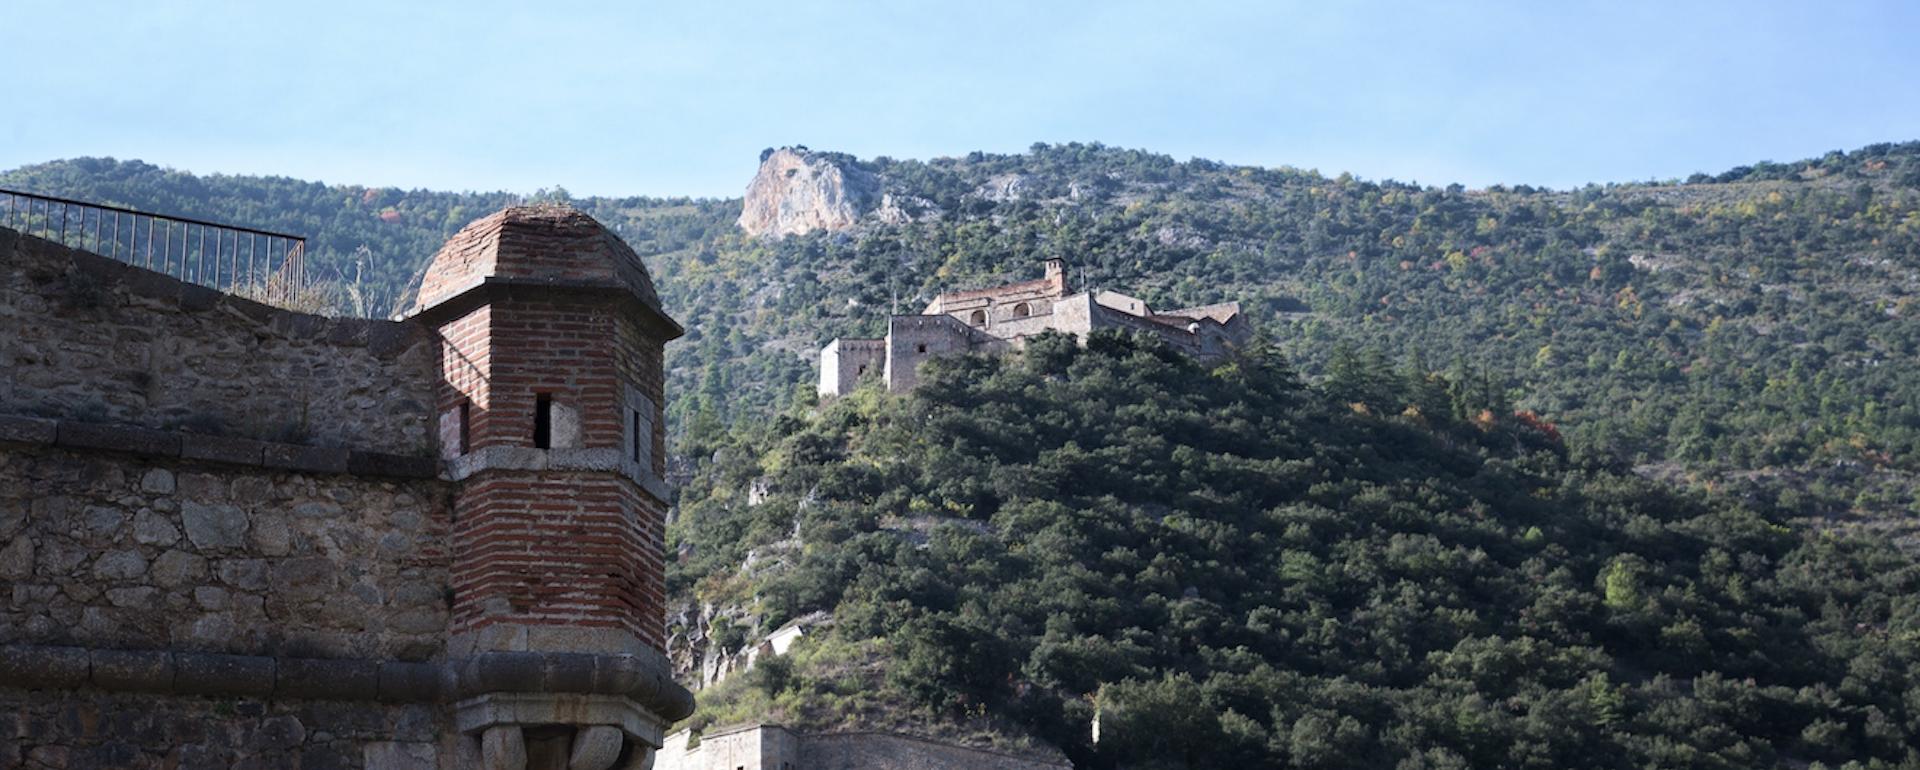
(1000, 318)
(774, 747)
(237, 536)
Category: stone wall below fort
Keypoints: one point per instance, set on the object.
(774, 747)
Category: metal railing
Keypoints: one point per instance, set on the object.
(267, 266)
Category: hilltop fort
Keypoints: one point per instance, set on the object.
(1000, 318)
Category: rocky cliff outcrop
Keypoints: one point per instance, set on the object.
(798, 191)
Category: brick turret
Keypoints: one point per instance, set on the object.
(550, 421)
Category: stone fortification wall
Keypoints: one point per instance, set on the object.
(844, 361)
(887, 751)
(773, 747)
(1103, 317)
(90, 338)
(123, 551)
(915, 338)
(99, 731)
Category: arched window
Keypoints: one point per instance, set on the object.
(979, 318)
(1022, 311)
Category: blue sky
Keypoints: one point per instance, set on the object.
(649, 98)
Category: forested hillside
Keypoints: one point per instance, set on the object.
(1232, 570)
(1750, 331)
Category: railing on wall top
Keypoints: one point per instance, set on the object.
(262, 265)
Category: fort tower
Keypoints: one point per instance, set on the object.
(550, 422)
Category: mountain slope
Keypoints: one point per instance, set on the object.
(1231, 570)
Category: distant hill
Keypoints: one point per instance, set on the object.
(1752, 331)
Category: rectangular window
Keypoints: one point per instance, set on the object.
(542, 421)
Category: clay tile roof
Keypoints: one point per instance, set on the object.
(546, 244)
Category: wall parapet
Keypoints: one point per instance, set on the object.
(93, 338)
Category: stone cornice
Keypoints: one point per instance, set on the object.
(645, 679)
(490, 289)
(591, 459)
(228, 450)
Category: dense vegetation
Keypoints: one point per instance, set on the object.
(1234, 570)
(1751, 331)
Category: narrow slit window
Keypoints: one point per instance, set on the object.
(543, 421)
(636, 436)
(466, 427)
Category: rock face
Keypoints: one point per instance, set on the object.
(798, 191)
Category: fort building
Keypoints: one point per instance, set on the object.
(1001, 318)
(236, 535)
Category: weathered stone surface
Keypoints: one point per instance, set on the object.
(16, 560)
(150, 528)
(27, 430)
(503, 748)
(385, 464)
(595, 747)
(271, 535)
(104, 523)
(12, 517)
(132, 670)
(402, 682)
(329, 583)
(158, 481)
(209, 674)
(281, 732)
(137, 596)
(396, 755)
(310, 459)
(329, 679)
(118, 438)
(176, 568)
(244, 574)
(119, 565)
(132, 731)
(43, 667)
(212, 598)
(222, 449)
(214, 527)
